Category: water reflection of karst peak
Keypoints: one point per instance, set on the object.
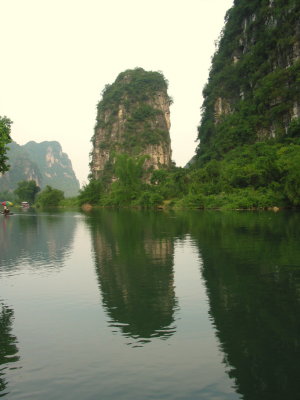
(159, 249)
(136, 276)
(38, 240)
(254, 299)
(8, 345)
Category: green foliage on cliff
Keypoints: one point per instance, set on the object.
(255, 72)
(249, 150)
(135, 86)
(133, 92)
(140, 129)
(5, 138)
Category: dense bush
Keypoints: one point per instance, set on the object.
(27, 191)
(251, 176)
(91, 193)
(5, 138)
(126, 189)
(289, 165)
(49, 197)
(69, 202)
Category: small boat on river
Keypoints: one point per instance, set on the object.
(6, 214)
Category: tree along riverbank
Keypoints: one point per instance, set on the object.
(258, 176)
(250, 177)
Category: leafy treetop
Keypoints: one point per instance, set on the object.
(5, 125)
(27, 191)
(135, 85)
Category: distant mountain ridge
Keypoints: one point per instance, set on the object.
(44, 162)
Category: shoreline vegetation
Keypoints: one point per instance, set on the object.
(261, 176)
(89, 208)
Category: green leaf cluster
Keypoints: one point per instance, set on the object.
(5, 139)
(129, 172)
(140, 129)
(136, 86)
(91, 192)
(27, 191)
(49, 197)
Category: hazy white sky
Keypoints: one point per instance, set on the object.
(57, 56)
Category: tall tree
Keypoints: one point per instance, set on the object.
(129, 172)
(50, 197)
(5, 138)
(27, 191)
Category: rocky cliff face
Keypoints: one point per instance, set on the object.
(55, 166)
(45, 163)
(133, 118)
(22, 168)
(253, 92)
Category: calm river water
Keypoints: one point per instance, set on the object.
(131, 305)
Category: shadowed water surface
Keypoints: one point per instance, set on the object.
(150, 305)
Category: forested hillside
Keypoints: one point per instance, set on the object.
(253, 91)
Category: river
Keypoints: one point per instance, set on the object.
(134, 305)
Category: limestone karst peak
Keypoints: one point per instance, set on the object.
(133, 118)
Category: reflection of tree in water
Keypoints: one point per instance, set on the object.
(134, 262)
(251, 267)
(8, 347)
(35, 239)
